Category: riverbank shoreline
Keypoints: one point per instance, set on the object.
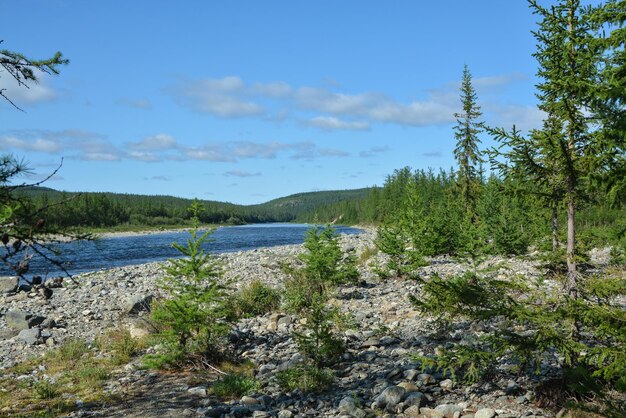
(383, 333)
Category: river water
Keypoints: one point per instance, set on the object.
(84, 256)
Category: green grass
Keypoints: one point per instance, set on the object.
(305, 378)
(234, 386)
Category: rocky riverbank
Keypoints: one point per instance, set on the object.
(377, 374)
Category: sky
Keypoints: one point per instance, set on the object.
(246, 101)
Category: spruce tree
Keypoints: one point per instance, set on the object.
(466, 152)
(568, 56)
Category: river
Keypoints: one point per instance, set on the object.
(117, 251)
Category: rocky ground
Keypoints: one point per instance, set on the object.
(376, 377)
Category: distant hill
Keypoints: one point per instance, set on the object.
(304, 203)
(103, 209)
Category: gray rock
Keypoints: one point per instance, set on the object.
(389, 398)
(8, 284)
(138, 303)
(431, 413)
(449, 410)
(19, 320)
(485, 413)
(30, 336)
(249, 400)
(412, 412)
(414, 399)
(347, 406)
(285, 413)
(197, 391)
(446, 385)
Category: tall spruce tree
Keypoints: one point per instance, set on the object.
(466, 152)
(568, 59)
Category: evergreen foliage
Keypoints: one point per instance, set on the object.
(191, 320)
(307, 293)
(466, 152)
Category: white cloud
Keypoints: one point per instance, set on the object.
(523, 117)
(332, 123)
(373, 151)
(31, 93)
(155, 142)
(219, 97)
(238, 173)
(48, 146)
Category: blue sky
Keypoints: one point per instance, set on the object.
(246, 101)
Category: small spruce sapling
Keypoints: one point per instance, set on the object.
(191, 320)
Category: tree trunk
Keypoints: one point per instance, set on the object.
(555, 224)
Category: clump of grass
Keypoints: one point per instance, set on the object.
(306, 378)
(234, 386)
(46, 390)
(253, 300)
(67, 354)
(121, 344)
(367, 254)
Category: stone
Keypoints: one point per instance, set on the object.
(8, 284)
(408, 386)
(414, 399)
(426, 379)
(447, 385)
(389, 398)
(412, 411)
(20, 320)
(138, 303)
(449, 410)
(283, 321)
(285, 413)
(197, 391)
(431, 413)
(249, 400)
(347, 406)
(30, 336)
(485, 413)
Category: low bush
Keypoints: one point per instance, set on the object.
(234, 386)
(306, 378)
(253, 300)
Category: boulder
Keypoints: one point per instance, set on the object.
(8, 284)
(30, 336)
(20, 320)
(389, 398)
(138, 303)
(485, 413)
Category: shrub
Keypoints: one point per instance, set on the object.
(306, 294)
(585, 336)
(305, 378)
(234, 386)
(254, 299)
(120, 344)
(191, 321)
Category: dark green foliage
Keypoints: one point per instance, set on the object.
(532, 323)
(324, 262)
(319, 342)
(307, 293)
(100, 210)
(466, 152)
(253, 300)
(191, 321)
